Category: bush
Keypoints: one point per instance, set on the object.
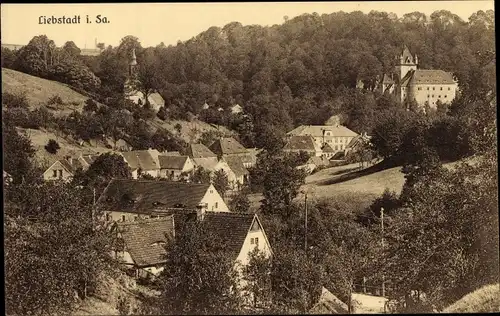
(15, 100)
(90, 106)
(55, 100)
(52, 146)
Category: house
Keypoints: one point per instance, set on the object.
(337, 136)
(173, 166)
(228, 146)
(62, 169)
(357, 143)
(143, 162)
(121, 145)
(85, 160)
(237, 173)
(297, 144)
(199, 151)
(205, 106)
(425, 86)
(128, 200)
(141, 244)
(236, 109)
(328, 151)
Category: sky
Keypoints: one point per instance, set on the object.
(154, 23)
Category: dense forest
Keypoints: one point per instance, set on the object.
(299, 72)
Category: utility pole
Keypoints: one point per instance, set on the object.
(383, 250)
(305, 206)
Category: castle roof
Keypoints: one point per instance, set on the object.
(427, 76)
(406, 56)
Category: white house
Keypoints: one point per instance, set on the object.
(59, 170)
(128, 200)
(173, 167)
(336, 136)
(143, 162)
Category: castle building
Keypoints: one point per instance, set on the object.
(425, 86)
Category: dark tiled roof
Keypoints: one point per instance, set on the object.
(69, 167)
(172, 162)
(144, 239)
(305, 143)
(143, 196)
(140, 159)
(423, 76)
(236, 165)
(199, 151)
(227, 146)
(231, 228)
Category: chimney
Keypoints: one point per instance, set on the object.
(200, 211)
(69, 159)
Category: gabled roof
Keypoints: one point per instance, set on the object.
(65, 164)
(172, 162)
(199, 151)
(227, 146)
(298, 143)
(145, 239)
(208, 163)
(317, 131)
(140, 159)
(231, 228)
(144, 196)
(89, 159)
(236, 165)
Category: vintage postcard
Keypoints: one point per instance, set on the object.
(250, 158)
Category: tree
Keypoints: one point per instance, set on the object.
(148, 78)
(53, 250)
(18, 153)
(200, 175)
(221, 182)
(201, 277)
(36, 58)
(52, 146)
(71, 49)
(90, 106)
(281, 181)
(240, 202)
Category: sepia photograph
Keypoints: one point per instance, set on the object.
(250, 158)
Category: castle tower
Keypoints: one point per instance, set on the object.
(406, 63)
(132, 64)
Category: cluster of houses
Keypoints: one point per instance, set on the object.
(225, 154)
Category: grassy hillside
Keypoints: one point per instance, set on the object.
(39, 91)
(483, 300)
(39, 139)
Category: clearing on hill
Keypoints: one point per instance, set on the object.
(39, 91)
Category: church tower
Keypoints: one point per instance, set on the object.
(406, 63)
(132, 64)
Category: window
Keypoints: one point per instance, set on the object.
(439, 96)
(54, 175)
(433, 95)
(252, 241)
(441, 88)
(60, 173)
(419, 88)
(433, 88)
(428, 96)
(427, 88)
(445, 96)
(211, 191)
(336, 147)
(135, 217)
(123, 218)
(216, 205)
(256, 240)
(108, 218)
(449, 89)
